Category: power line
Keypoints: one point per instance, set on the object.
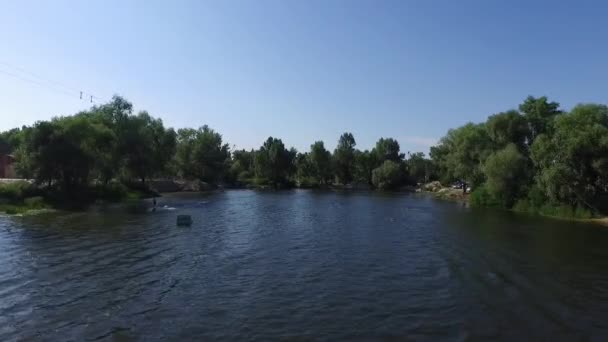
(50, 84)
(22, 70)
(37, 76)
(63, 92)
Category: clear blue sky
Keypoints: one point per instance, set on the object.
(303, 70)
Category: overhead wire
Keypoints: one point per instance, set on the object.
(19, 77)
(49, 84)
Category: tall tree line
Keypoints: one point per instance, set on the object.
(111, 143)
(536, 158)
(533, 157)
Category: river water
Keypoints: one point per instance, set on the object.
(302, 265)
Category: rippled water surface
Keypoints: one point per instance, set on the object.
(302, 265)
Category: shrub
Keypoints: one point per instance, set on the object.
(481, 197)
(504, 172)
(536, 196)
(16, 191)
(553, 210)
(565, 211)
(244, 177)
(524, 206)
(10, 210)
(582, 213)
(36, 202)
(308, 183)
(113, 191)
(387, 176)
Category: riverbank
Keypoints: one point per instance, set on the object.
(438, 191)
(23, 197)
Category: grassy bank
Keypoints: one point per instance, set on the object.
(27, 206)
(481, 198)
(23, 197)
(536, 203)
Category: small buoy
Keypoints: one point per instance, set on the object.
(184, 220)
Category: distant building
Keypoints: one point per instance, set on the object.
(6, 162)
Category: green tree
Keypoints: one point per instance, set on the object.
(540, 115)
(387, 176)
(13, 138)
(365, 163)
(506, 128)
(573, 161)
(62, 151)
(241, 168)
(440, 155)
(320, 160)
(463, 151)
(420, 168)
(273, 163)
(146, 146)
(305, 171)
(201, 154)
(116, 115)
(387, 149)
(245, 158)
(344, 156)
(210, 155)
(506, 174)
(184, 153)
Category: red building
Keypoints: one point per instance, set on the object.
(6, 166)
(6, 163)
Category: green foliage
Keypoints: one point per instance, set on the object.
(462, 152)
(240, 170)
(539, 159)
(20, 197)
(505, 172)
(554, 210)
(11, 139)
(113, 191)
(387, 149)
(439, 157)
(69, 152)
(89, 153)
(365, 163)
(421, 169)
(63, 151)
(524, 206)
(111, 151)
(482, 197)
(536, 159)
(244, 158)
(344, 158)
(573, 161)
(36, 202)
(147, 147)
(305, 171)
(387, 176)
(245, 177)
(539, 113)
(201, 154)
(17, 191)
(508, 128)
(22, 208)
(320, 162)
(273, 163)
